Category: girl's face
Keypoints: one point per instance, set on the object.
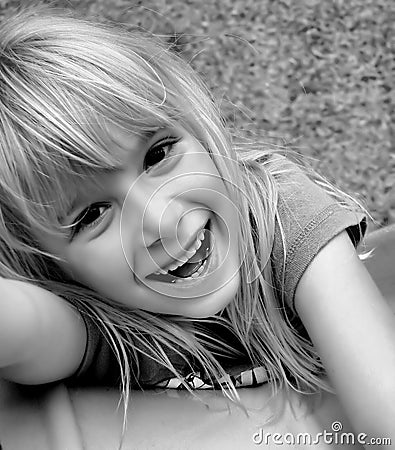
(159, 233)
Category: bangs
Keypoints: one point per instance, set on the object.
(58, 93)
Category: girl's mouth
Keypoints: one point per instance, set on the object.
(192, 268)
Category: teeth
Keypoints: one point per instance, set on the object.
(194, 275)
(188, 255)
(198, 243)
(184, 259)
(200, 270)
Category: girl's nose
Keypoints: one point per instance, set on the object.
(160, 219)
(154, 213)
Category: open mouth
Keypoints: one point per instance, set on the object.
(192, 268)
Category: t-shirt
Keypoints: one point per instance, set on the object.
(308, 219)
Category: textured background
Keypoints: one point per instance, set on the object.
(317, 76)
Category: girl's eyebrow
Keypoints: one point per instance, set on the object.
(81, 195)
(123, 138)
(75, 200)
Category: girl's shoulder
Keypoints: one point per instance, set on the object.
(309, 215)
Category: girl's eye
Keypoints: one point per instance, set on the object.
(159, 152)
(89, 217)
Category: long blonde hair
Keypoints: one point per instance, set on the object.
(60, 76)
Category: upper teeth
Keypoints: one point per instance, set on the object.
(188, 255)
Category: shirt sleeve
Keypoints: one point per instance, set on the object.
(308, 218)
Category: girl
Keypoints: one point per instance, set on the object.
(139, 246)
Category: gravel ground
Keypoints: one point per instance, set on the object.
(315, 76)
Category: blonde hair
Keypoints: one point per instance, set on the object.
(59, 77)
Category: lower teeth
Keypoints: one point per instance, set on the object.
(193, 276)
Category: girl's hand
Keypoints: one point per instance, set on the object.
(353, 329)
(42, 338)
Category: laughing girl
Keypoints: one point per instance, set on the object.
(140, 247)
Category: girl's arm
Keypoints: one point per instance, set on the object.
(42, 338)
(353, 329)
